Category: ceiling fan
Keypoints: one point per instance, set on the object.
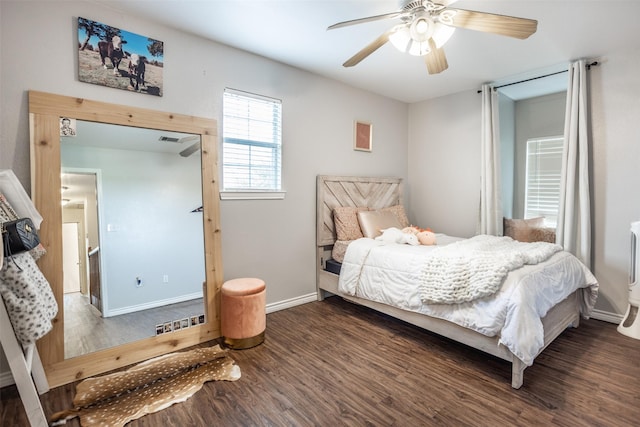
(192, 148)
(427, 25)
(182, 140)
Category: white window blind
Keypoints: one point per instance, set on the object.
(543, 170)
(252, 142)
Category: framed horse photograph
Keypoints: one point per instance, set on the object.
(112, 57)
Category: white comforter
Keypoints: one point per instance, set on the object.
(391, 274)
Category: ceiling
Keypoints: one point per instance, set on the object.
(295, 32)
(77, 185)
(115, 137)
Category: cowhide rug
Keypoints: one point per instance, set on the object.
(115, 399)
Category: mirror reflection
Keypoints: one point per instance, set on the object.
(133, 242)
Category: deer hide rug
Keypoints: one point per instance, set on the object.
(115, 399)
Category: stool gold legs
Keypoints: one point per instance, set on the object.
(244, 343)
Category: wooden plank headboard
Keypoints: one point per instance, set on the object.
(335, 191)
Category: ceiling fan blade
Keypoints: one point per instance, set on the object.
(190, 150)
(510, 26)
(189, 138)
(436, 60)
(370, 48)
(367, 19)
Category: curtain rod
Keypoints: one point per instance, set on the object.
(592, 64)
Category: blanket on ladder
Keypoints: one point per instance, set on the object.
(475, 268)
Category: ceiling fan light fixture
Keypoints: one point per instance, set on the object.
(442, 34)
(403, 41)
(414, 38)
(421, 28)
(419, 48)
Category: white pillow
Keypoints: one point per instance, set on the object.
(373, 222)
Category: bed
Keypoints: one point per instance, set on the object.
(562, 306)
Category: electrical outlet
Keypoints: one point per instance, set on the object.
(165, 278)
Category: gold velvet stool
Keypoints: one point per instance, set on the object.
(243, 312)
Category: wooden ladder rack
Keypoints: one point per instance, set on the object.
(26, 369)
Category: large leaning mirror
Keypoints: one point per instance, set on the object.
(131, 228)
(132, 234)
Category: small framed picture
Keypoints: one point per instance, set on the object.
(194, 320)
(201, 319)
(184, 323)
(159, 329)
(67, 126)
(176, 325)
(167, 327)
(363, 133)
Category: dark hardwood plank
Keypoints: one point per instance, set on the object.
(335, 363)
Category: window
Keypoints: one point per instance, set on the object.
(251, 145)
(543, 170)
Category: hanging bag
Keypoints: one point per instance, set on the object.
(19, 236)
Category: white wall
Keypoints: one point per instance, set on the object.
(274, 240)
(444, 165)
(615, 109)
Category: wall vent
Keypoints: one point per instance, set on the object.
(169, 139)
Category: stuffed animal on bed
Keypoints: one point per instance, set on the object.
(395, 235)
(426, 238)
(425, 235)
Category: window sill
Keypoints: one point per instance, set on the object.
(252, 195)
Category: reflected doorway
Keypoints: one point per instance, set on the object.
(70, 257)
(80, 221)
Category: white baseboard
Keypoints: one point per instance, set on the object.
(276, 306)
(153, 304)
(292, 302)
(606, 316)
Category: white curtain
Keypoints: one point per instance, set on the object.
(490, 218)
(574, 217)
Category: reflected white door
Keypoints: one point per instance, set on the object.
(70, 257)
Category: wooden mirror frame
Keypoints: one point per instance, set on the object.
(45, 111)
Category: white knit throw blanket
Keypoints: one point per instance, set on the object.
(475, 268)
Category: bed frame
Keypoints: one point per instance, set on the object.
(335, 191)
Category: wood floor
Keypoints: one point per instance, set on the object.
(333, 363)
(86, 331)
